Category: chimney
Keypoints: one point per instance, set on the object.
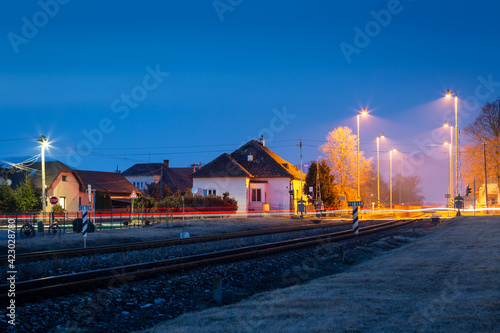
(166, 163)
(250, 157)
(262, 141)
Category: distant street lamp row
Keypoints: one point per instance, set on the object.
(453, 190)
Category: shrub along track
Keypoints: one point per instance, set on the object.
(51, 286)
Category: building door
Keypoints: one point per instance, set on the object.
(257, 196)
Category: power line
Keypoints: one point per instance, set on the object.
(19, 139)
(190, 146)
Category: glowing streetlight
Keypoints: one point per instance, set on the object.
(380, 135)
(363, 112)
(457, 148)
(450, 186)
(390, 174)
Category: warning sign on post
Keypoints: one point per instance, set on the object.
(133, 195)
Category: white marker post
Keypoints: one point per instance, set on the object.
(355, 228)
(84, 228)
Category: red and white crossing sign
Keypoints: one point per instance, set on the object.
(133, 195)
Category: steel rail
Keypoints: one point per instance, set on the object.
(32, 256)
(63, 284)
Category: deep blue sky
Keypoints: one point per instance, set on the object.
(227, 76)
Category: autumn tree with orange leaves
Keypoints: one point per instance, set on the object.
(341, 154)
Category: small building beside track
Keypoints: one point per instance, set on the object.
(255, 176)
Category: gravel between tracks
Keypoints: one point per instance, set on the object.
(196, 227)
(446, 282)
(59, 266)
(138, 305)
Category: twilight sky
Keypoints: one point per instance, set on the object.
(120, 82)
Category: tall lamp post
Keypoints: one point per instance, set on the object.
(390, 175)
(380, 135)
(450, 186)
(363, 112)
(44, 145)
(457, 148)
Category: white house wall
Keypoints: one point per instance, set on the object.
(278, 196)
(277, 191)
(236, 186)
(142, 179)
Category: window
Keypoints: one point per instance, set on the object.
(256, 194)
(62, 201)
(209, 192)
(64, 178)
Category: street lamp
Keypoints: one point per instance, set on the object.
(390, 175)
(379, 135)
(457, 148)
(363, 112)
(450, 186)
(44, 145)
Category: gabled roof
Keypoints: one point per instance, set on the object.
(112, 182)
(181, 177)
(223, 166)
(264, 164)
(52, 170)
(173, 177)
(144, 169)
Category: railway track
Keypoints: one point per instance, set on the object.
(63, 284)
(32, 256)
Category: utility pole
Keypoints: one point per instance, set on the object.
(474, 196)
(399, 179)
(318, 189)
(161, 180)
(485, 177)
(301, 186)
(44, 143)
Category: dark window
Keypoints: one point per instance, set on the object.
(256, 194)
(64, 178)
(209, 192)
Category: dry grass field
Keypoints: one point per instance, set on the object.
(199, 227)
(447, 281)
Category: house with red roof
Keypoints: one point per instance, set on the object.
(142, 174)
(112, 184)
(70, 186)
(255, 176)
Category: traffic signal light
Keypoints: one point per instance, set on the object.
(467, 191)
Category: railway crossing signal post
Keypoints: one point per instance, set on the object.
(355, 229)
(459, 204)
(84, 227)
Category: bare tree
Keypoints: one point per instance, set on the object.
(484, 129)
